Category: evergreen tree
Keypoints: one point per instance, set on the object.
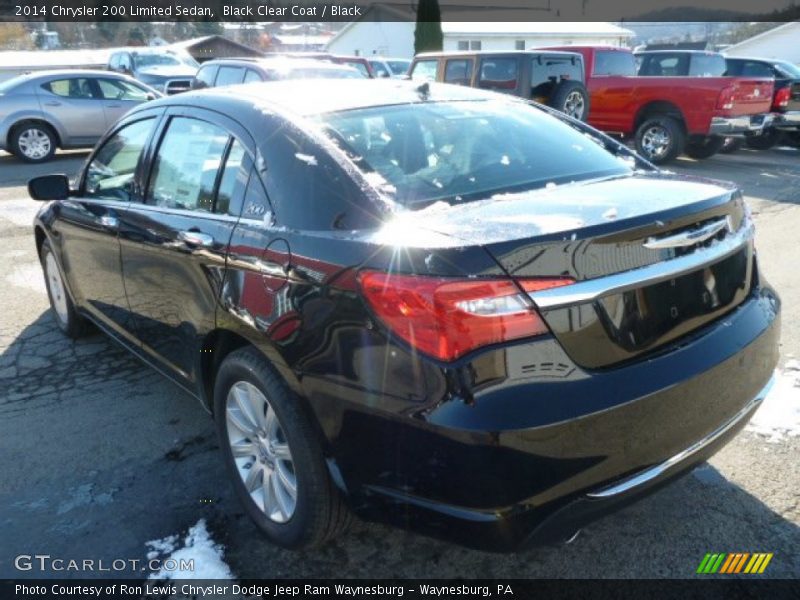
(428, 32)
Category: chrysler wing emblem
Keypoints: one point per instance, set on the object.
(689, 238)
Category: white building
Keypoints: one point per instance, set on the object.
(396, 38)
(782, 42)
(504, 36)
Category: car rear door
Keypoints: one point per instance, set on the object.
(73, 103)
(173, 245)
(87, 227)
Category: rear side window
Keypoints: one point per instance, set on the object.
(111, 172)
(252, 76)
(230, 76)
(307, 188)
(458, 71)
(499, 73)
(614, 63)
(185, 171)
(749, 68)
(205, 76)
(77, 87)
(234, 176)
(425, 70)
(708, 65)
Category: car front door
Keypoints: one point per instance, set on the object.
(72, 103)
(87, 226)
(174, 244)
(119, 97)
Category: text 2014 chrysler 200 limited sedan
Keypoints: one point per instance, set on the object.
(426, 304)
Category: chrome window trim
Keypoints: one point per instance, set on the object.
(591, 289)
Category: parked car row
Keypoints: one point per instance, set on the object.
(664, 109)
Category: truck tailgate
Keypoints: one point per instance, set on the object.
(751, 96)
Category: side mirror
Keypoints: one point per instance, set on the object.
(49, 187)
(150, 96)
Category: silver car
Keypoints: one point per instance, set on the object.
(45, 110)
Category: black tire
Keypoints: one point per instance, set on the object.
(731, 145)
(319, 513)
(765, 141)
(571, 98)
(675, 139)
(64, 313)
(704, 147)
(22, 138)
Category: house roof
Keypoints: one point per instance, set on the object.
(763, 34)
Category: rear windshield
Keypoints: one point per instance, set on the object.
(461, 151)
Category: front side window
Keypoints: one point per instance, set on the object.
(111, 172)
(77, 87)
(499, 73)
(462, 151)
(613, 63)
(114, 89)
(425, 70)
(186, 166)
(664, 65)
(458, 71)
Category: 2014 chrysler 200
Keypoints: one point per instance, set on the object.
(426, 304)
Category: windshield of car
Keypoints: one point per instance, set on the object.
(399, 67)
(461, 151)
(790, 69)
(168, 59)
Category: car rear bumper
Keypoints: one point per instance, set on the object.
(510, 470)
(787, 120)
(740, 125)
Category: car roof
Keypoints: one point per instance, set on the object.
(492, 53)
(280, 63)
(306, 98)
(678, 50)
(49, 74)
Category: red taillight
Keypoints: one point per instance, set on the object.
(726, 97)
(446, 318)
(782, 98)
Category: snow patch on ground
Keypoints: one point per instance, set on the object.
(199, 546)
(19, 212)
(778, 417)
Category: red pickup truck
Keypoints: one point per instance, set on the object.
(667, 116)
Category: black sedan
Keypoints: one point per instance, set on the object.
(426, 304)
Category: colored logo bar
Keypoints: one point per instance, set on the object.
(734, 562)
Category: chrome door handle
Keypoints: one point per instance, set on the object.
(196, 238)
(52, 103)
(109, 222)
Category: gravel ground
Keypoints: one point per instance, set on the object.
(100, 454)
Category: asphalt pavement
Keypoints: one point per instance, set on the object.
(100, 454)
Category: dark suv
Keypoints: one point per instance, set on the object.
(551, 78)
(230, 71)
(168, 71)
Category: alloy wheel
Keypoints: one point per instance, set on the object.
(34, 143)
(261, 452)
(656, 141)
(574, 105)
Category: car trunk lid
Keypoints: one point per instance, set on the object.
(653, 257)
